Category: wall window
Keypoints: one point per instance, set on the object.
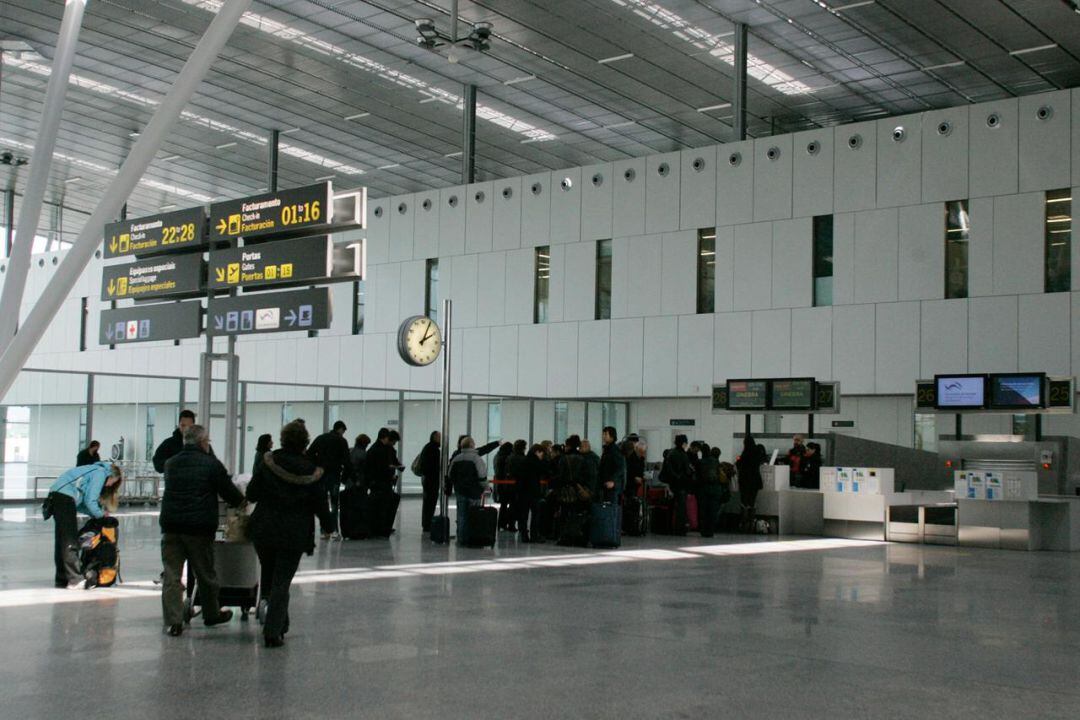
(16, 434)
(431, 290)
(609, 415)
(957, 228)
(823, 260)
(84, 313)
(706, 271)
(1058, 240)
(84, 438)
(562, 422)
(494, 421)
(925, 434)
(543, 284)
(151, 417)
(603, 279)
(358, 307)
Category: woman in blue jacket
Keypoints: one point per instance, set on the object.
(92, 490)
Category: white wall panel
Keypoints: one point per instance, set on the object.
(678, 295)
(504, 360)
(373, 359)
(659, 368)
(411, 296)
(695, 354)
(628, 203)
(697, 188)
(792, 263)
(562, 362)
(402, 222)
(456, 358)
(771, 344)
(735, 183)
(992, 334)
(520, 282)
(844, 259)
(725, 269)
(452, 221)
(943, 337)
(1075, 138)
(597, 183)
(476, 360)
(532, 360)
(464, 276)
(566, 206)
(557, 284)
(662, 179)
(922, 252)
(506, 214)
(1075, 327)
(491, 289)
(398, 373)
(897, 347)
(594, 358)
(536, 210)
(731, 357)
(753, 266)
(1045, 333)
(772, 178)
(579, 293)
(995, 158)
(855, 153)
(945, 155)
(899, 162)
(876, 255)
(812, 158)
(811, 342)
(627, 355)
(1045, 140)
(426, 225)
(854, 348)
(385, 298)
(981, 247)
(478, 218)
(1019, 245)
(378, 231)
(644, 287)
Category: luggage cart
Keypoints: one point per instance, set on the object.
(142, 484)
(236, 565)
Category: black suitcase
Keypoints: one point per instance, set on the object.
(440, 529)
(634, 517)
(482, 526)
(661, 519)
(573, 527)
(383, 507)
(605, 520)
(353, 513)
(542, 521)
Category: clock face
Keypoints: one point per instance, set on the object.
(419, 341)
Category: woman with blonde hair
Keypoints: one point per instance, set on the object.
(93, 490)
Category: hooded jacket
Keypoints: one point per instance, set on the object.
(288, 497)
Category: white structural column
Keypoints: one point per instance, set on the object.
(192, 74)
(40, 163)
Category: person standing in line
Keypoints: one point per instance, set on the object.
(811, 467)
(174, 443)
(748, 467)
(526, 469)
(635, 468)
(358, 458)
(430, 461)
(710, 493)
(88, 455)
(92, 489)
(676, 472)
(330, 451)
(194, 479)
(504, 487)
(263, 445)
(468, 473)
(612, 468)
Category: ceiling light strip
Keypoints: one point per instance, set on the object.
(942, 66)
(615, 58)
(707, 108)
(852, 6)
(1037, 48)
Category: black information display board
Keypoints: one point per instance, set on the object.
(156, 277)
(146, 323)
(304, 260)
(1059, 393)
(792, 394)
(748, 394)
(274, 213)
(926, 395)
(179, 230)
(826, 396)
(269, 312)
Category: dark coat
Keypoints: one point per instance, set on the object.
(379, 465)
(574, 468)
(526, 470)
(193, 482)
(749, 468)
(358, 458)
(811, 471)
(430, 459)
(613, 468)
(86, 458)
(635, 468)
(330, 451)
(170, 446)
(288, 497)
(676, 471)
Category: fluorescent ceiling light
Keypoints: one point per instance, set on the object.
(222, 146)
(290, 131)
(1037, 48)
(170, 206)
(619, 125)
(707, 108)
(387, 167)
(523, 78)
(325, 178)
(957, 63)
(428, 99)
(615, 58)
(357, 116)
(265, 24)
(170, 158)
(852, 6)
(453, 154)
(77, 178)
(133, 134)
(702, 39)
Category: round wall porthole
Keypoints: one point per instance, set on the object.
(378, 211)
(734, 159)
(566, 184)
(597, 180)
(97, 254)
(479, 196)
(402, 208)
(1045, 112)
(993, 120)
(773, 153)
(698, 164)
(855, 141)
(452, 201)
(55, 260)
(898, 134)
(537, 188)
(426, 204)
(629, 175)
(41, 262)
(813, 147)
(944, 128)
(663, 170)
(507, 193)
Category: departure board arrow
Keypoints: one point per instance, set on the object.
(112, 244)
(219, 274)
(112, 287)
(291, 318)
(222, 225)
(219, 322)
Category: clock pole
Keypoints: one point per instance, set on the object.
(444, 447)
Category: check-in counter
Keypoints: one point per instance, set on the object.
(931, 523)
(1046, 523)
(797, 512)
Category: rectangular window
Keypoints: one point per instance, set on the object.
(494, 424)
(149, 446)
(83, 439)
(562, 421)
(543, 284)
(431, 290)
(603, 279)
(926, 432)
(706, 271)
(823, 260)
(957, 227)
(84, 313)
(1058, 240)
(358, 308)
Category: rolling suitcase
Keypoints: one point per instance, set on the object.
(352, 517)
(543, 521)
(482, 526)
(382, 507)
(692, 512)
(661, 519)
(633, 522)
(440, 529)
(604, 525)
(573, 527)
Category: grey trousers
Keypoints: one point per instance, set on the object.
(198, 552)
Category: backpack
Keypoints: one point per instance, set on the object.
(417, 466)
(99, 553)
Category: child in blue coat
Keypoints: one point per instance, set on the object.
(90, 489)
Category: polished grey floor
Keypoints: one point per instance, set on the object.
(729, 627)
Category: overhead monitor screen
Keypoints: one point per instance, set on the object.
(1011, 391)
(748, 394)
(960, 392)
(793, 394)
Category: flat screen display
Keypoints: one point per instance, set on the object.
(748, 394)
(1016, 391)
(960, 392)
(793, 394)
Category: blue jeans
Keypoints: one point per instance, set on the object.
(463, 505)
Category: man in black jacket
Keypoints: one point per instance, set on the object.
(175, 442)
(330, 451)
(677, 474)
(194, 479)
(430, 458)
(612, 468)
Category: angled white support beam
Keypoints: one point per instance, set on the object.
(165, 117)
(40, 164)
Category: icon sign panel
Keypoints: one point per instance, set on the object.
(154, 234)
(268, 312)
(303, 260)
(272, 213)
(146, 323)
(169, 275)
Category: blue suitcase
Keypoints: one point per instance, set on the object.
(605, 525)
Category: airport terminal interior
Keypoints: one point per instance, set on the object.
(592, 358)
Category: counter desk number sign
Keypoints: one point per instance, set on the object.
(419, 341)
